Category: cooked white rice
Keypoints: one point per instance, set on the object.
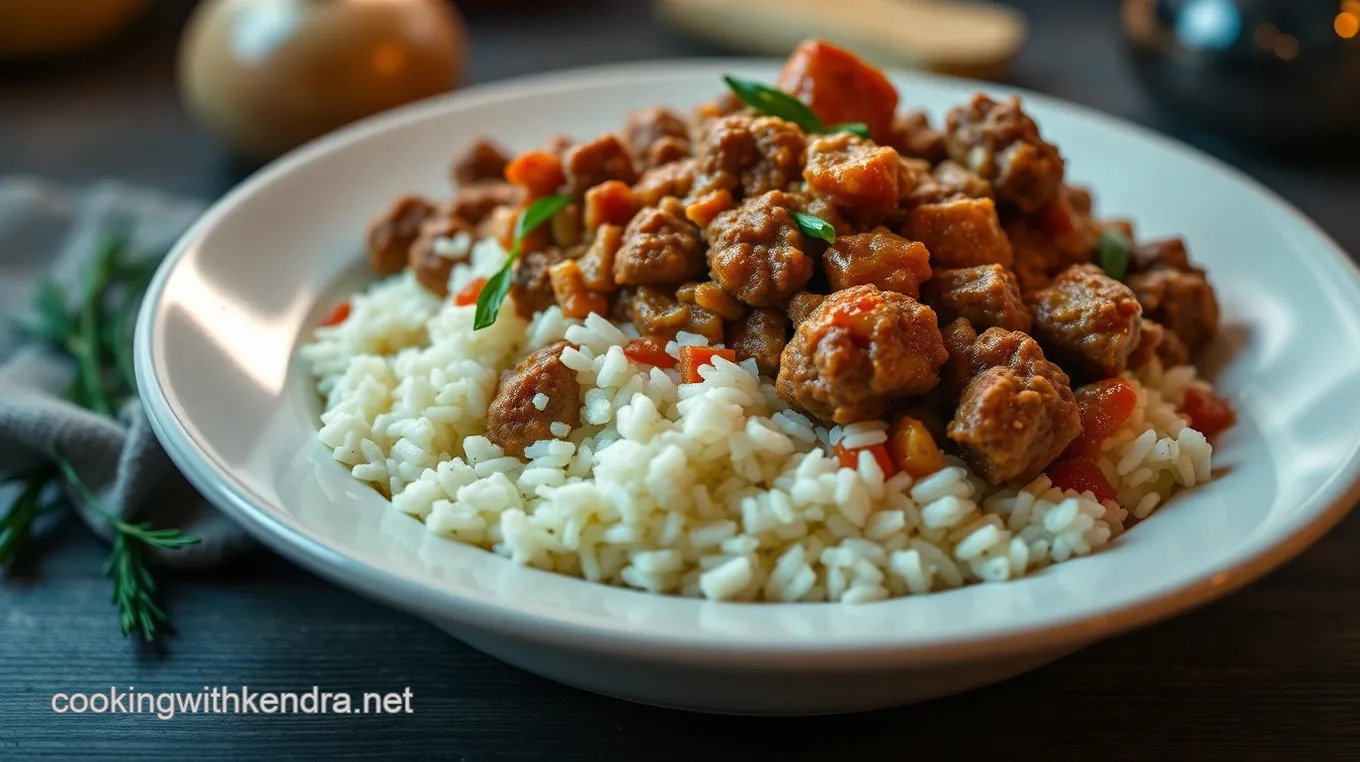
(715, 489)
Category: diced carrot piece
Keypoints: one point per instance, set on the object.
(913, 449)
(338, 315)
(1209, 413)
(839, 87)
(1082, 476)
(1104, 406)
(649, 350)
(569, 288)
(539, 173)
(850, 458)
(691, 358)
(470, 292)
(610, 203)
(703, 211)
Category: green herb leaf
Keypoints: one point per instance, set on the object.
(815, 226)
(1116, 250)
(16, 522)
(771, 102)
(49, 304)
(858, 128)
(498, 285)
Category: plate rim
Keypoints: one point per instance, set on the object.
(1336, 497)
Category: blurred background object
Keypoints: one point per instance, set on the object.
(1273, 73)
(43, 28)
(968, 38)
(266, 76)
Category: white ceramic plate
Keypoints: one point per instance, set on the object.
(218, 372)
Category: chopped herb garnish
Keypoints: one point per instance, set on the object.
(498, 285)
(774, 102)
(858, 128)
(1115, 252)
(815, 226)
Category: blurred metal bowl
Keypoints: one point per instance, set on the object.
(1279, 73)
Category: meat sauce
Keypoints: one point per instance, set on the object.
(959, 288)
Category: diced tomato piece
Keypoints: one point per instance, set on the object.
(850, 458)
(1209, 413)
(839, 87)
(470, 292)
(610, 203)
(1104, 407)
(691, 358)
(847, 313)
(338, 315)
(913, 449)
(539, 173)
(649, 350)
(1082, 476)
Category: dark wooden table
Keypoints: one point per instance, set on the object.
(1272, 672)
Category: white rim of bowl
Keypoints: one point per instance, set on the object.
(1329, 503)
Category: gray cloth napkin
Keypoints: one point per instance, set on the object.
(47, 228)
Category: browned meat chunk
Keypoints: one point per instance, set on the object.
(913, 136)
(656, 136)
(1016, 412)
(949, 181)
(1183, 302)
(1060, 235)
(1002, 144)
(748, 156)
(513, 421)
(850, 172)
(600, 160)
(475, 203)
(482, 161)
(711, 297)
(756, 251)
(801, 306)
(1087, 319)
(961, 233)
(1154, 341)
(861, 350)
(530, 284)
(1164, 254)
(674, 179)
(443, 241)
(761, 335)
(597, 264)
(878, 258)
(391, 234)
(656, 313)
(987, 295)
(660, 247)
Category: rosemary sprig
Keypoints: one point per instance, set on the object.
(17, 521)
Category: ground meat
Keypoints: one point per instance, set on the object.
(1183, 302)
(655, 135)
(748, 156)
(1154, 341)
(600, 160)
(443, 241)
(1087, 321)
(660, 247)
(1164, 254)
(475, 203)
(513, 420)
(759, 334)
(1039, 256)
(913, 136)
(949, 181)
(850, 172)
(963, 232)
(756, 251)
(482, 161)
(879, 258)
(1016, 412)
(674, 179)
(858, 352)
(530, 285)
(391, 234)
(987, 295)
(1002, 144)
(655, 312)
(801, 306)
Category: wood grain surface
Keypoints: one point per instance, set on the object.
(1270, 673)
